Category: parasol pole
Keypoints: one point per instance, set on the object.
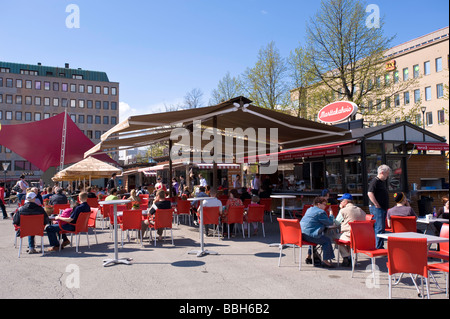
(63, 143)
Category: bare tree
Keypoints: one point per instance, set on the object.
(229, 87)
(193, 99)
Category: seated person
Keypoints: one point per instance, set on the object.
(58, 197)
(331, 200)
(49, 194)
(313, 225)
(112, 195)
(244, 194)
(213, 202)
(233, 200)
(67, 223)
(254, 202)
(91, 194)
(30, 208)
(402, 208)
(348, 213)
(441, 213)
(159, 202)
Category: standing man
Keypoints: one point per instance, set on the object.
(2, 199)
(379, 198)
(112, 182)
(23, 186)
(256, 185)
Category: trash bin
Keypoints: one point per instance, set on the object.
(425, 205)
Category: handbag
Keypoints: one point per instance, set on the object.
(17, 189)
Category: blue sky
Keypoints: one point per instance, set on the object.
(160, 49)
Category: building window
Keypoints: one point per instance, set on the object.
(397, 100)
(429, 117)
(8, 115)
(28, 116)
(64, 102)
(396, 77)
(106, 120)
(18, 99)
(387, 101)
(81, 88)
(90, 104)
(441, 117)
(440, 91)
(37, 101)
(37, 85)
(113, 91)
(55, 86)
(438, 64)
(73, 103)
(73, 118)
(416, 71)
(81, 119)
(98, 105)
(1, 82)
(106, 90)
(405, 74)
(73, 88)
(428, 93)
(64, 87)
(98, 135)
(113, 106)
(46, 116)
(9, 83)
(19, 83)
(89, 134)
(426, 68)
(98, 119)
(81, 104)
(90, 89)
(98, 90)
(114, 118)
(18, 116)
(28, 84)
(46, 101)
(28, 100)
(55, 102)
(89, 119)
(37, 116)
(387, 79)
(417, 96)
(406, 98)
(1, 98)
(105, 105)
(378, 104)
(9, 99)
(47, 86)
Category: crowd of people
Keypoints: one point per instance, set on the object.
(316, 223)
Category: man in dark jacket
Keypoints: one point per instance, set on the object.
(30, 208)
(59, 197)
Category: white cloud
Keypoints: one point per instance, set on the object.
(125, 110)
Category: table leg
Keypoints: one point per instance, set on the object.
(202, 251)
(116, 260)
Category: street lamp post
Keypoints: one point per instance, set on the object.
(423, 109)
(5, 168)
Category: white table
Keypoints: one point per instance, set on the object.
(116, 259)
(430, 238)
(283, 204)
(202, 250)
(430, 221)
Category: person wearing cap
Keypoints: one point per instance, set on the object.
(348, 213)
(30, 208)
(401, 208)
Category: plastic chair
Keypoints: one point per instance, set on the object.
(267, 202)
(92, 202)
(363, 241)
(163, 219)
(255, 214)
(81, 226)
(211, 216)
(235, 215)
(92, 221)
(442, 253)
(247, 202)
(183, 208)
(441, 267)
(341, 242)
(369, 217)
(408, 255)
(131, 220)
(291, 234)
(31, 225)
(58, 207)
(403, 224)
(305, 208)
(334, 209)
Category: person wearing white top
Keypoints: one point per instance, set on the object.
(213, 202)
(202, 180)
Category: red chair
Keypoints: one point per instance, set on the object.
(363, 241)
(403, 224)
(163, 220)
(291, 234)
(369, 217)
(58, 207)
(235, 215)
(442, 253)
(81, 226)
(408, 255)
(334, 209)
(131, 220)
(247, 202)
(255, 214)
(92, 222)
(92, 202)
(441, 267)
(305, 208)
(341, 242)
(211, 216)
(267, 202)
(31, 225)
(183, 208)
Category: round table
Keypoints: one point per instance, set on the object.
(116, 259)
(283, 206)
(202, 250)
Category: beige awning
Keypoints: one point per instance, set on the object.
(144, 130)
(89, 168)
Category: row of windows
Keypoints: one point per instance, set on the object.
(416, 71)
(429, 121)
(46, 101)
(405, 98)
(81, 118)
(56, 86)
(20, 166)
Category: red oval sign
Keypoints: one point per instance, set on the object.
(337, 112)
